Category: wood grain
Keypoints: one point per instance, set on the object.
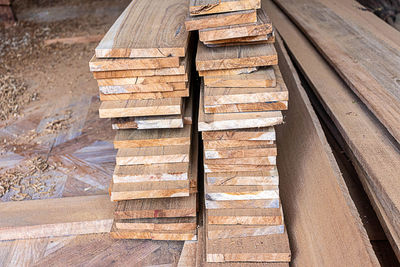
(242, 153)
(249, 107)
(367, 63)
(377, 155)
(137, 108)
(147, 29)
(304, 156)
(204, 7)
(243, 178)
(234, 231)
(256, 134)
(252, 40)
(142, 80)
(227, 72)
(145, 96)
(158, 224)
(56, 217)
(218, 20)
(263, 26)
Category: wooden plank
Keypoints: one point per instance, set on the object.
(114, 64)
(269, 248)
(227, 121)
(153, 155)
(236, 168)
(126, 38)
(136, 108)
(226, 192)
(249, 107)
(157, 208)
(142, 190)
(252, 40)
(142, 80)
(220, 144)
(56, 217)
(153, 172)
(254, 134)
(244, 152)
(304, 157)
(188, 254)
(263, 26)
(229, 57)
(158, 224)
(238, 204)
(243, 178)
(234, 231)
(267, 160)
(218, 20)
(366, 62)
(145, 96)
(245, 216)
(375, 169)
(153, 235)
(142, 88)
(204, 7)
(146, 138)
(261, 78)
(227, 72)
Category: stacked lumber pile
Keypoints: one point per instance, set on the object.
(241, 97)
(142, 67)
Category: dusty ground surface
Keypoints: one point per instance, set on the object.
(52, 142)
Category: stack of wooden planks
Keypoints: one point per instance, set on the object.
(142, 67)
(242, 95)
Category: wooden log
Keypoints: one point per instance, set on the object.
(56, 217)
(374, 170)
(261, 78)
(147, 29)
(218, 20)
(263, 26)
(137, 108)
(205, 7)
(304, 157)
(233, 57)
(146, 138)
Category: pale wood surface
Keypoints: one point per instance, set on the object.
(226, 121)
(252, 40)
(263, 26)
(156, 208)
(235, 56)
(145, 96)
(158, 224)
(255, 160)
(143, 80)
(188, 254)
(143, 138)
(143, 88)
(367, 63)
(239, 204)
(246, 107)
(242, 152)
(223, 144)
(204, 7)
(218, 20)
(153, 155)
(137, 108)
(227, 72)
(377, 155)
(234, 231)
(255, 134)
(237, 192)
(147, 29)
(243, 178)
(304, 157)
(261, 78)
(245, 216)
(105, 64)
(45, 218)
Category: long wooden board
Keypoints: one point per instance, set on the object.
(224, 144)
(143, 88)
(251, 40)
(142, 80)
(114, 64)
(149, 173)
(243, 178)
(243, 152)
(147, 29)
(237, 192)
(145, 138)
(245, 216)
(227, 72)
(153, 155)
(239, 204)
(145, 96)
(367, 63)
(56, 217)
(204, 7)
(227, 121)
(233, 57)
(137, 108)
(253, 134)
(157, 208)
(218, 20)
(263, 26)
(234, 231)
(158, 224)
(376, 169)
(261, 78)
(255, 160)
(247, 107)
(312, 220)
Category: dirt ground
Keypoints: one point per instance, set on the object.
(52, 143)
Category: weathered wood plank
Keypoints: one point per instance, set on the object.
(245, 216)
(145, 96)
(147, 29)
(246, 107)
(234, 231)
(204, 7)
